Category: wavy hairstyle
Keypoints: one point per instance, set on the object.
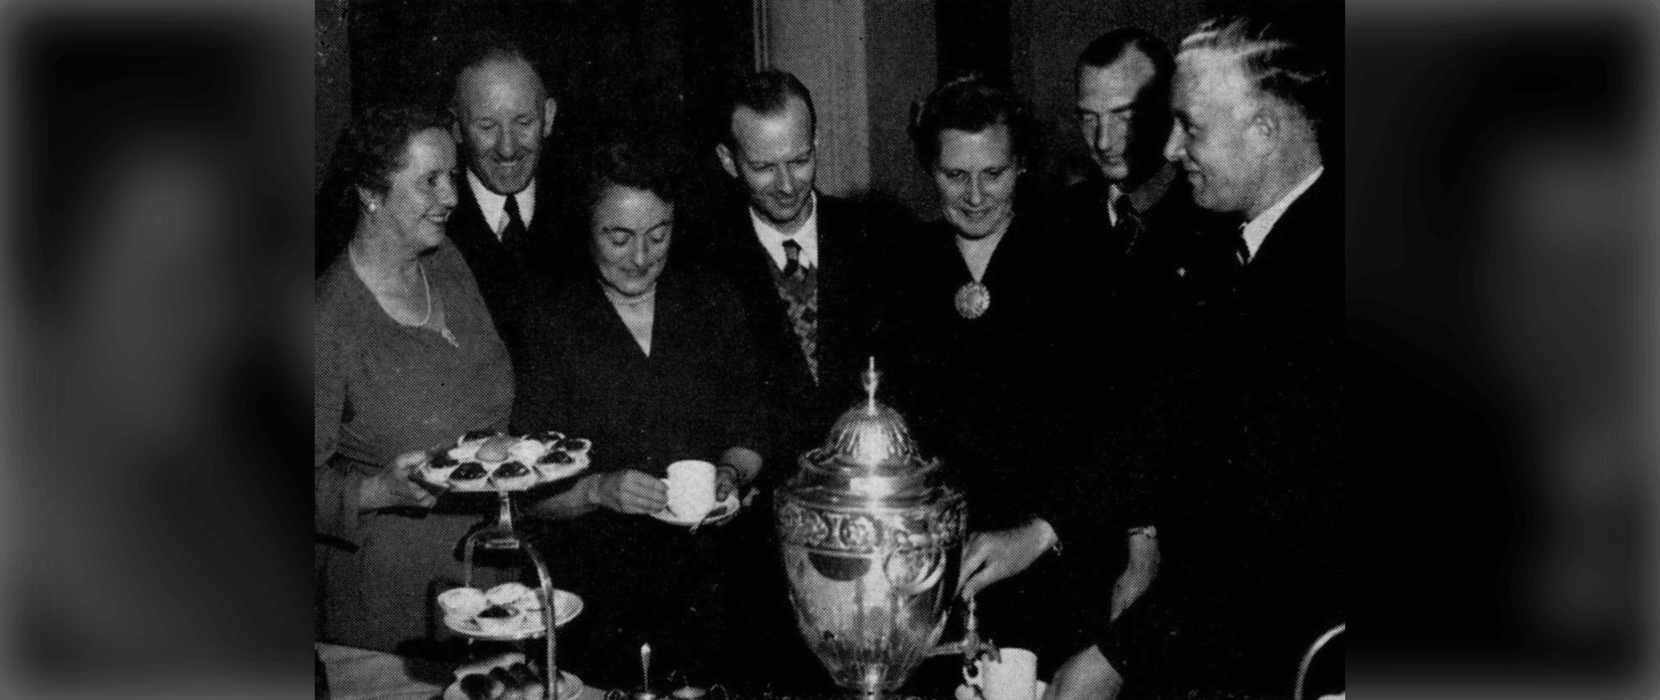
(970, 102)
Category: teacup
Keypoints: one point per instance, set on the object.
(691, 489)
(1012, 678)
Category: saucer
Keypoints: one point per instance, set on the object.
(528, 625)
(723, 512)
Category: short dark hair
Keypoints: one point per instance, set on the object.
(637, 160)
(373, 145)
(1109, 47)
(766, 92)
(1276, 59)
(969, 102)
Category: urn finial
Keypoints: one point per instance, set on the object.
(872, 379)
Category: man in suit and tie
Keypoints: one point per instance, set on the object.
(504, 220)
(798, 259)
(1258, 555)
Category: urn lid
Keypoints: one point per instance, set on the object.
(869, 452)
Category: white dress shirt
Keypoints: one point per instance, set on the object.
(806, 237)
(494, 206)
(1256, 230)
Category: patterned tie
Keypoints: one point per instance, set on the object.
(798, 285)
(514, 235)
(1129, 225)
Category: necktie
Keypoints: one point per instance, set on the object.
(792, 255)
(1241, 250)
(799, 287)
(514, 235)
(1129, 226)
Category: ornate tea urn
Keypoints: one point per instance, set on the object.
(871, 536)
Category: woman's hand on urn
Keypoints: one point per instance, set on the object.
(990, 557)
(395, 486)
(627, 491)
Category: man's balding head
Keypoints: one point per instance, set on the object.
(502, 114)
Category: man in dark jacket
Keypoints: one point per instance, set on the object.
(800, 262)
(1255, 551)
(505, 217)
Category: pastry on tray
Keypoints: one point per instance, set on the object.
(484, 460)
(499, 619)
(469, 475)
(514, 476)
(513, 681)
(462, 603)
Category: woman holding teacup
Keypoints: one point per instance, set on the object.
(406, 358)
(648, 358)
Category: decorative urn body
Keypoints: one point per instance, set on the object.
(871, 536)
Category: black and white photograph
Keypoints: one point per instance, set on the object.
(978, 349)
(829, 349)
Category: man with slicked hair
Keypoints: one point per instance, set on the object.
(1259, 553)
(504, 222)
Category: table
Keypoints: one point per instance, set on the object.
(361, 674)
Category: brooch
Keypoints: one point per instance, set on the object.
(972, 300)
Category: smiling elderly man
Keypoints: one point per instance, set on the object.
(504, 222)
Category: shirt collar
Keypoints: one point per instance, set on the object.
(773, 239)
(1144, 197)
(1256, 230)
(494, 206)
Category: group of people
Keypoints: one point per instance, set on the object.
(1135, 380)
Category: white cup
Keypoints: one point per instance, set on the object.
(1012, 678)
(691, 489)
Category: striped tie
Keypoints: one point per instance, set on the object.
(798, 285)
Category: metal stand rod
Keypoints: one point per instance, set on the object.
(550, 616)
(502, 536)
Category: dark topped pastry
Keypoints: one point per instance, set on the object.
(478, 686)
(574, 444)
(522, 675)
(469, 471)
(510, 470)
(551, 437)
(511, 689)
(442, 460)
(557, 457)
(476, 435)
(498, 612)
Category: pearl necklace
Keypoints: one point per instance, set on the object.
(425, 285)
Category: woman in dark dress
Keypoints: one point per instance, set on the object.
(975, 326)
(649, 359)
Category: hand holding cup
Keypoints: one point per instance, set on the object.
(691, 489)
(627, 491)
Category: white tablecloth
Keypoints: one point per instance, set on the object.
(360, 674)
